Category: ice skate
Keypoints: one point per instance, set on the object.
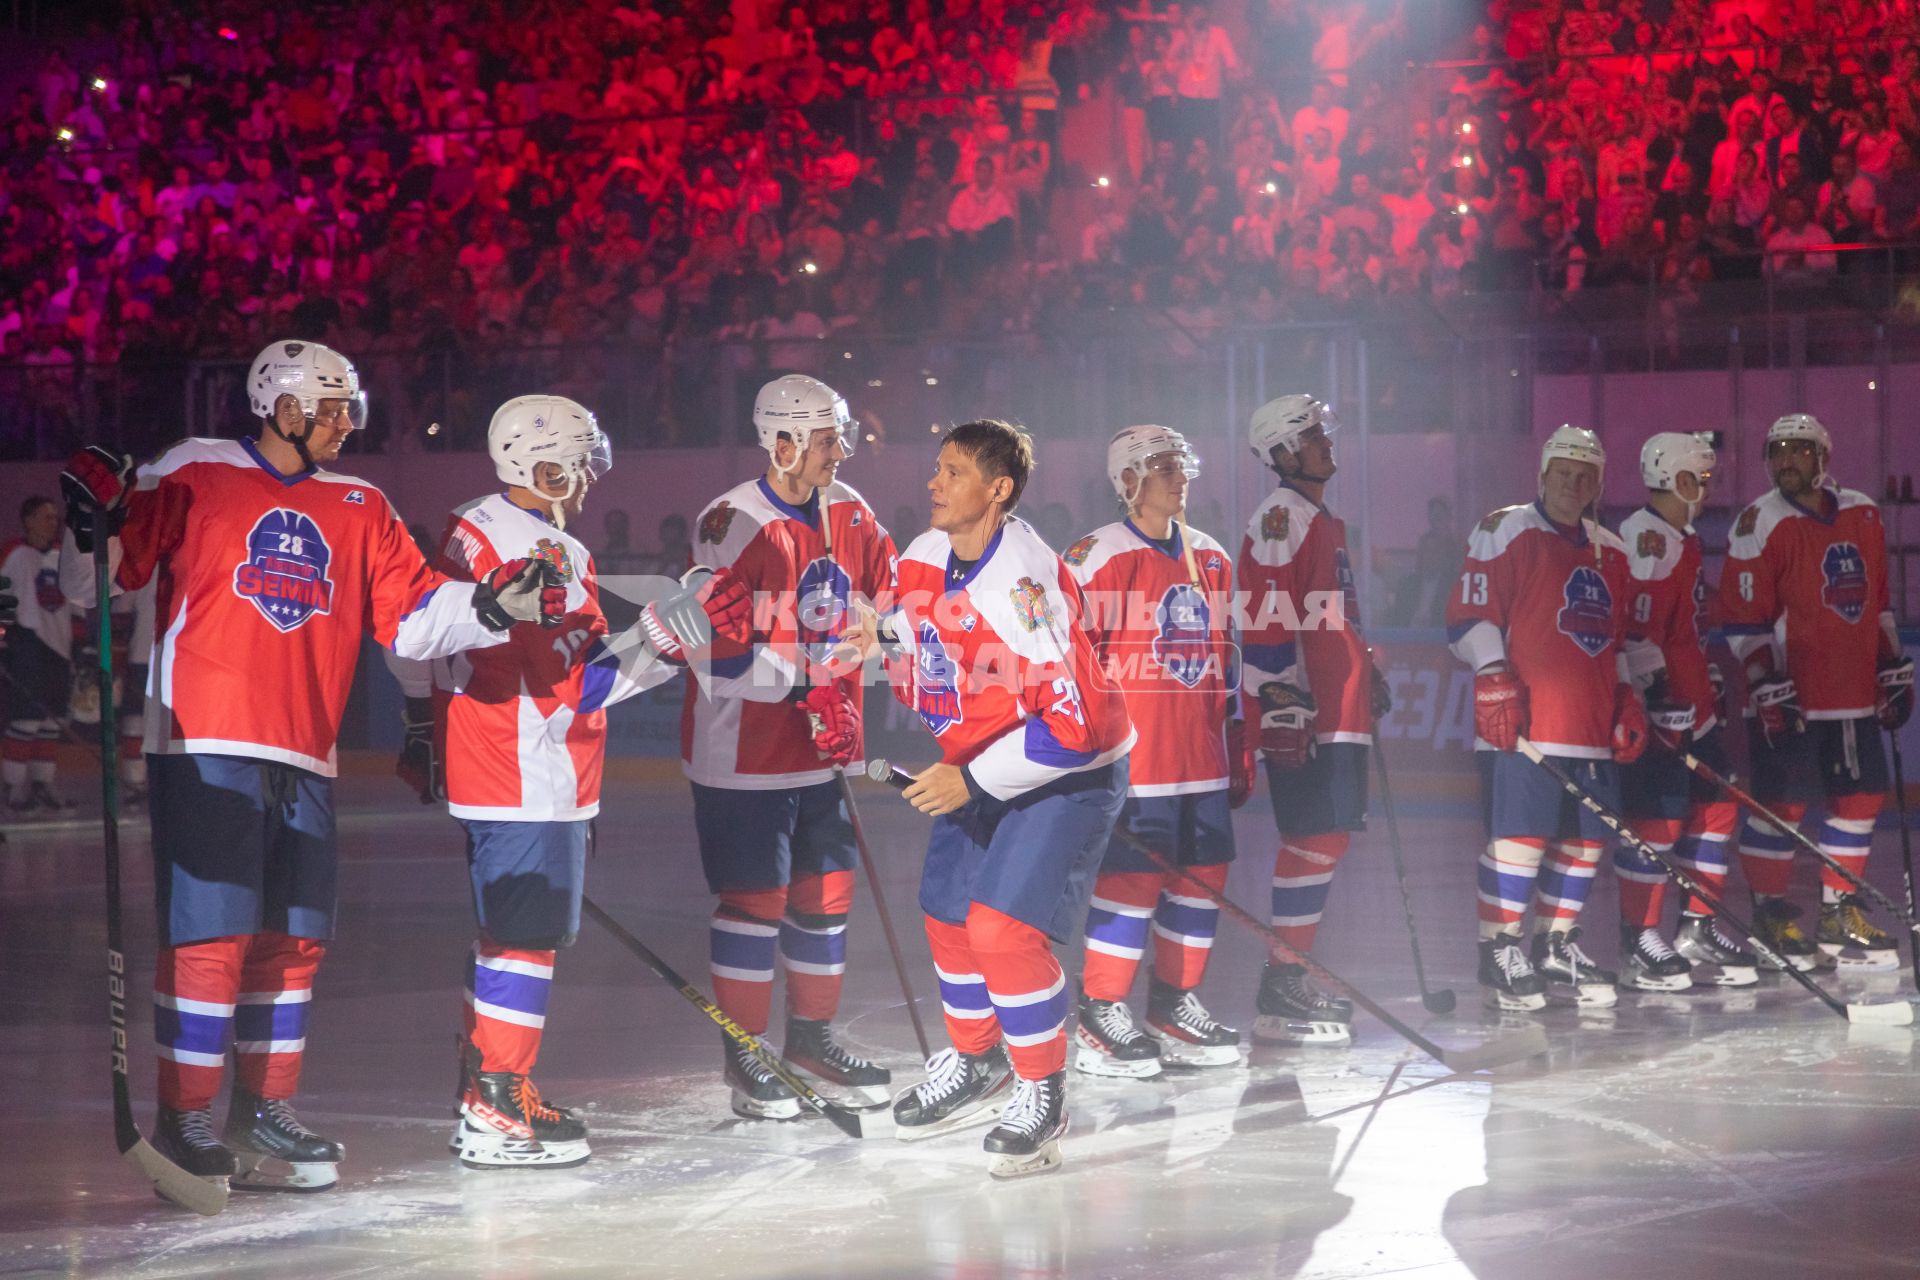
(811, 1050)
(961, 1089)
(1773, 919)
(1507, 978)
(1188, 1034)
(187, 1139)
(45, 802)
(1647, 963)
(1570, 973)
(1717, 960)
(1107, 1042)
(1851, 943)
(1291, 1011)
(1027, 1139)
(757, 1092)
(273, 1150)
(505, 1124)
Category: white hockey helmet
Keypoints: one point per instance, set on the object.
(1799, 426)
(1668, 455)
(1132, 446)
(528, 430)
(1577, 444)
(796, 406)
(310, 373)
(1282, 421)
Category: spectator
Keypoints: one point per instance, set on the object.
(1786, 247)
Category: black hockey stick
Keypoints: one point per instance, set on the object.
(1897, 1013)
(1524, 1044)
(1906, 843)
(1442, 1000)
(202, 1195)
(855, 1124)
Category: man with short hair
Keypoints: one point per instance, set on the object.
(38, 664)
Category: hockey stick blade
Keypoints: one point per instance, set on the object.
(1894, 1013)
(1529, 1042)
(205, 1196)
(1441, 1001)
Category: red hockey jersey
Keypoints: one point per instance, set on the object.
(742, 729)
(999, 665)
(1808, 593)
(1303, 615)
(1667, 622)
(45, 608)
(1551, 602)
(1167, 642)
(266, 583)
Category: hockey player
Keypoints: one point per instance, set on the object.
(1159, 595)
(1666, 805)
(524, 731)
(1805, 609)
(1311, 687)
(1538, 617)
(1033, 741)
(39, 667)
(270, 570)
(775, 841)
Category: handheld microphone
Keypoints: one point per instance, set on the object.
(881, 771)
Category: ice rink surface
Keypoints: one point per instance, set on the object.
(1711, 1134)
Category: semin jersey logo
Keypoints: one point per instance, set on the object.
(936, 693)
(285, 572)
(1586, 611)
(1181, 643)
(1843, 581)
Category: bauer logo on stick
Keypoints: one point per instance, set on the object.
(934, 695)
(1586, 616)
(285, 572)
(1843, 573)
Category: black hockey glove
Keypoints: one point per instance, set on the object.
(520, 591)
(96, 482)
(419, 765)
(9, 604)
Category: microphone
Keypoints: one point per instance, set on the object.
(881, 771)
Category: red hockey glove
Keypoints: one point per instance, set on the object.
(1672, 722)
(1499, 709)
(1239, 763)
(1894, 706)
(1776, 707)
(419, 765)
(520, 591)
(1630, 724)
(1286, 724)
(95, 484)
(836, 724)
(708, 604)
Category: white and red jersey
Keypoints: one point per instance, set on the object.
(76, 582)
(1808, 594)
(1165, 636)
(1667, 622)
(46, 611)
(1551, 602)
(742, 729)
(265, 584)
(525, 722)
(1304, 615)
(999, 666)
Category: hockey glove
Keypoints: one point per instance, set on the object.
(836, 724)
(95, 484)
(1672, 722)
(419, 765)
(1380, 694)
(1895, 703)
(708, 604)
(9, 604)
(520, 591)
(1239, 763)
(1718, 679)
(1286, 724)
(1776, 708)
(1629, 724)
(1499, 709)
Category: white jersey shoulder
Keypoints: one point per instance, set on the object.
(515, 532)
(1755, 525)
(729, 524)
(1279, 526)
(1607, 539)
(1097, 550)
(841, 492)
(185, 453)
(1017, 591)
(1494, 534)
(1653, 545)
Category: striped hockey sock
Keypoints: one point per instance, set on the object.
(507, 989)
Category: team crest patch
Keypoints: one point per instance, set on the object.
(285, 572)
(1030, 605)
(1181, 641)
(714, 524)
(1273, 525)
(1586, 611)
(1076, 555)
(1748, 521)
(1652, 545)
(1493, 520)
(554, 554)
(1843, 581)
(936, 695)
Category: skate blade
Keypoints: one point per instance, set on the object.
(1804, 964)
(270, 1173)
(1499, 1000)
(1095, 1063)
(777, 1109)
(1588, 995)
(1270, 1029)
(1658, 986)
(1733, 975)
(1850, 959)
(1175, 1052)
(1005, 1166)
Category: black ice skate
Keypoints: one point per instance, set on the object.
(1507, 976)
(1851, 943)
(961, 1089)
(1108, 1043)
(757, 1092)
(506, 1124)
(275, 1152)
(1773, 920)
(1291, 1011)
(1188, 1035)
(1570, 973)
(187, 1139)
(1027, 1139)
(1647, 963)
(811, 1050)
(1717, 959)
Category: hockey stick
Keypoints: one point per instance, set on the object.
(1525, 1044)
(1897, 1013)
(206, 1196)
(855, 1124)
(1442, 1000)
(1906, 843)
